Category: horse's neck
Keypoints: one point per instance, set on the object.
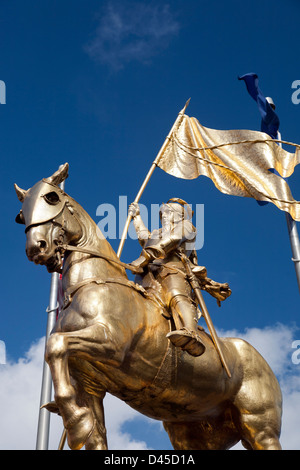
(80, 266)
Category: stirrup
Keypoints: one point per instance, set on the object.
(187, 340)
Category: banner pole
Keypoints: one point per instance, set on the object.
(294, 237)
(295, 245)
(42, 441)
(149, 174)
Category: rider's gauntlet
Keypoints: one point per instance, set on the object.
(169, 244)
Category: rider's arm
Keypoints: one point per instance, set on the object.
(140, 228)
(171, 241)
(181, 233)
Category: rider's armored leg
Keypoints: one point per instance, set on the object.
(187, 337)
(186, 311)
(178, 295)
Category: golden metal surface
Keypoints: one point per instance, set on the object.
(196, 287)
(175, 275)
(237, 161)
(111, 337)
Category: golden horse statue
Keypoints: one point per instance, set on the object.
(110, 337)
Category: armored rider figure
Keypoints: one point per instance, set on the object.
(161, 255)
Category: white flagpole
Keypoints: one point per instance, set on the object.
(42, 441)
(295, 245)
(291, 224)
(46, 389)
(294, 238)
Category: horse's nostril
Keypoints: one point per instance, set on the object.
(42, 244)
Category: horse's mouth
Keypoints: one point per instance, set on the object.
(52, 263)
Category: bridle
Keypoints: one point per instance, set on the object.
(62, 247)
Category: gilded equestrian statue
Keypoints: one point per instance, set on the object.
(111, 336)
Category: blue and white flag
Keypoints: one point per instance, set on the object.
(270, 121)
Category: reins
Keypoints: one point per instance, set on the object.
(133, 269)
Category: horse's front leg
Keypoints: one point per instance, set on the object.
(97, 440)
(91, 343)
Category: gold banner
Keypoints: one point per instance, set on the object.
(237, 161)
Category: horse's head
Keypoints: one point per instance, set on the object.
(47, 214)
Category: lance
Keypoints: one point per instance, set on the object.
(195, 285)
(291, 224)
(149, 174)
(42, 440)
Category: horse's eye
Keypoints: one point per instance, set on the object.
(52, 198)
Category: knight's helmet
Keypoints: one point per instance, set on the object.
(44, 201)
(179, 207)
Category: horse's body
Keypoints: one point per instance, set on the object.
(111, 337)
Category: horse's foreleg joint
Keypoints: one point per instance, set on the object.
(57, 357)
(56, 347)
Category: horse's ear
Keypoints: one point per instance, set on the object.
(59, 176)
(21, 193)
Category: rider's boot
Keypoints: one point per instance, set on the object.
(187, 337)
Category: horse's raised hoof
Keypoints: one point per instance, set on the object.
(188, 341)
(79, 428)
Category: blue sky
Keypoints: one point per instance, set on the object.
(99, 84)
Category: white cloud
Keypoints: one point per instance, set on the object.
(21, 381)
(117, 413)
(131, 31)
(19, 408)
